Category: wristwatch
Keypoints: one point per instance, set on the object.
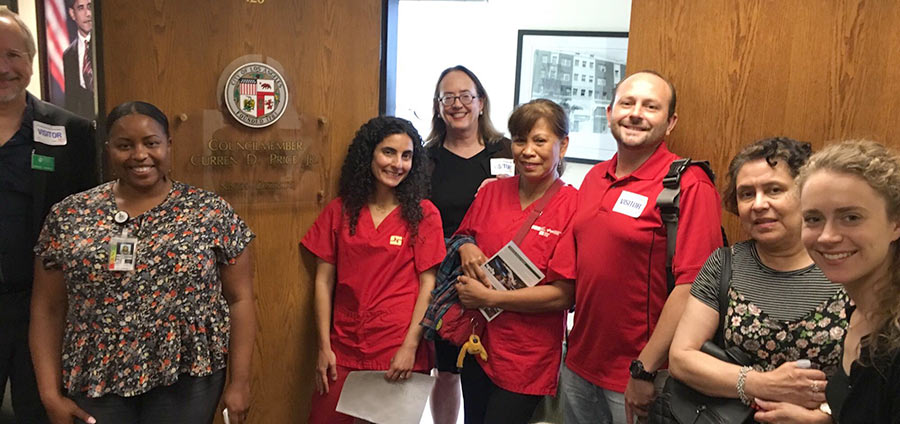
(637, 371)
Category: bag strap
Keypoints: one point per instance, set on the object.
(724, 286)
(667, 202)
(537, 211)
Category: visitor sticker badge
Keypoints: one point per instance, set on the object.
(122, 253)
(630, 204)
(42, 163)
(51, 135)
(502, 166)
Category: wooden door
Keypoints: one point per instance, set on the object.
(813, 70)
(176, 55)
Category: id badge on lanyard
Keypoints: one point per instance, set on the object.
(122, 249)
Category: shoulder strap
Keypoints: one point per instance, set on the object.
(724, 285)
(667, 202)
(539, 206)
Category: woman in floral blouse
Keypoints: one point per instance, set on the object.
(782, 311)
(142, 292)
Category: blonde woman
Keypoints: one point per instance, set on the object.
(850, 198)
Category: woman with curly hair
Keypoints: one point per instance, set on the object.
(781, 308)
(377, 246)
(850, 197)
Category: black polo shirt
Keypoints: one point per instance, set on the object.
(16, 209)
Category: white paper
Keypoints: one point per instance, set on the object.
(367, 395)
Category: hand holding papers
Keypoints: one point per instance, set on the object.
(509, 269)
(367, 395)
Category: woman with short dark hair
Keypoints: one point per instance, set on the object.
(143, 292)
(781, 309)
(524, 342)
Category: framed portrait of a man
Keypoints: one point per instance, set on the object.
(66, 30)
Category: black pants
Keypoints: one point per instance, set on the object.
(15, 359)
(484, 402)
(190, 400)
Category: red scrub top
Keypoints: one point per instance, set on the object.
(620, 287)
(377, 281)
(524, 350)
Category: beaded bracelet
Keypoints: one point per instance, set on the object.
(742, 379)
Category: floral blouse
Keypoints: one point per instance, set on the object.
(128, 332)
(818, 336)
(777, 316)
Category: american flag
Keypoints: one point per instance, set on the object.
(57, 41)
(248, 86)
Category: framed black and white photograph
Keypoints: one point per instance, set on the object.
(579, 70)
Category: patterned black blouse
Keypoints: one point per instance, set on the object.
(130, 331)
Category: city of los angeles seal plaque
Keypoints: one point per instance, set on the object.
(256, 95)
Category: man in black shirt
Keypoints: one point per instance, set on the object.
(46, 154)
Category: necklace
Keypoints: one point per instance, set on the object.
(383, 208)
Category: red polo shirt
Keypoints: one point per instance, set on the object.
(524, 350)
(377, 281)
(620, 242)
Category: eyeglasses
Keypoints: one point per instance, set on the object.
(464, 98)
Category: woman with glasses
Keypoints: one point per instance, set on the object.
(465, 150)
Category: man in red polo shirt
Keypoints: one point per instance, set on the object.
(624, 317)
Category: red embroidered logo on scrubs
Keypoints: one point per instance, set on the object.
(396, 241)
(544, 231)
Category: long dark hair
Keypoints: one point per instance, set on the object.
(357, 183)
(486, 129)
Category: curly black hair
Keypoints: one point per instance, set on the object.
(357, 183)
(794, 153)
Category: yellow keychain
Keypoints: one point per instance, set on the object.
(472, 347)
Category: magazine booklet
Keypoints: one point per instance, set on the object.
(509, 269)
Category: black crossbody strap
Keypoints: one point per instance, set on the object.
(668, 204)
(724, 286)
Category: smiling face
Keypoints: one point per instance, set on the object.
(15, 62)
(459, 117)
(392, 160)
(846, 228)
(81, 13)
(139, 152)
(639, 118)
(767, 204)
(538, 154)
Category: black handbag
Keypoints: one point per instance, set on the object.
(678, 403)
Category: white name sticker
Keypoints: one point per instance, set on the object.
(53, 135)
(631, 204)
(501, 166)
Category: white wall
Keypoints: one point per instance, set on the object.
(28, 14)
(434, 35)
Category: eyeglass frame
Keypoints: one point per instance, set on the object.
(454, 98)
